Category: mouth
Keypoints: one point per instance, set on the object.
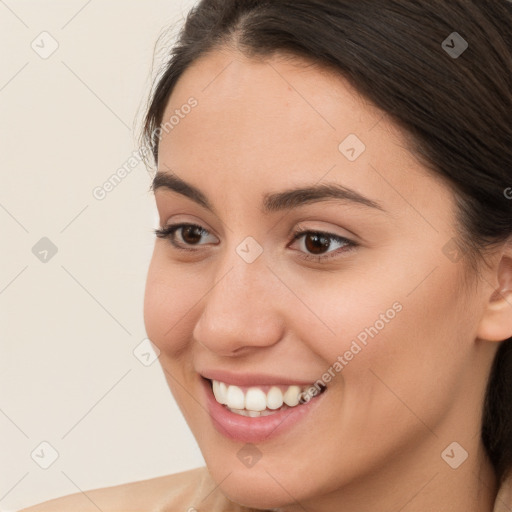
(257, 401)
(254, 413)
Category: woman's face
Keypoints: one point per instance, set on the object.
(376, 315)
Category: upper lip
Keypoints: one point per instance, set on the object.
(252, 379)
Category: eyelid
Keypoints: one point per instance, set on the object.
(303, 226)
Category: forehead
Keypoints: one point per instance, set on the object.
(290, 96)
(277, 120)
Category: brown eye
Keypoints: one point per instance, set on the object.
(316, 243)
(318, 246)
(191, 234)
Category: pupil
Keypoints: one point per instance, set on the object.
(320, 243)
(188, 234)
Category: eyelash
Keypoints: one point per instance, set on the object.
(169, 231)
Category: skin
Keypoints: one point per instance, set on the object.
(264, 126)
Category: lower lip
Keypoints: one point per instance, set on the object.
(254, 430)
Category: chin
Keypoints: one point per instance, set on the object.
(256, 490)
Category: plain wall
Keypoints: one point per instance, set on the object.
(70, 321)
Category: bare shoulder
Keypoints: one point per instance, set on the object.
(179, 489)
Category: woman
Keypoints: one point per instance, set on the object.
(331, 284)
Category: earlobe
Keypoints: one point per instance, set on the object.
(496, 322)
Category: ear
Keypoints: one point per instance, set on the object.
(496, 322)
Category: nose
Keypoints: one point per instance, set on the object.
(242, 310)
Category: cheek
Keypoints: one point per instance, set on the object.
(405, 348)
(351, 313)
(404, 322)
(169, 300)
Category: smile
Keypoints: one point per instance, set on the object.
(258, 401)
(257, 413)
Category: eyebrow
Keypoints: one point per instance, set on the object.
(272, 202)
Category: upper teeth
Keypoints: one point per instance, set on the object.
(255, 399)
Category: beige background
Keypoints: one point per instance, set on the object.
(69, 325)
